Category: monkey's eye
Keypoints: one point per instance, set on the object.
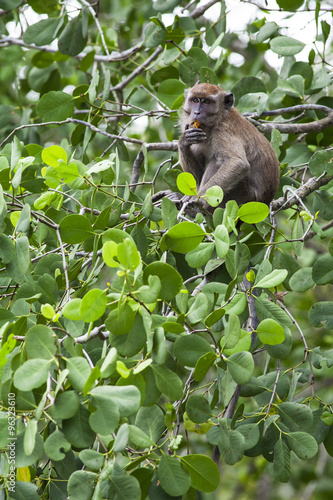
(195, 99)
(206, 101)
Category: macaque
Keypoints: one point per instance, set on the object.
(220, 147)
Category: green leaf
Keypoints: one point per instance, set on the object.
(81, 485)
(241, 366)
(109, 253)
(171, 280)
(139, 437)
(7, 249)
(322, 271)
(297, 417)
(198, 310)
(32, 374)
(106, 417)
(40, 342)
(253, 102)
(72, 310)
(165, 5)
(203, 365)
(253, 212)
(121, 439)
(54, 155)
(168, 382)
(169, 212)
(77, 429)
(21, 458)
(109, 363)
(231, 443)
(170, 90)
(251, 435)
(133, 341)
(65, 406)
(54, 444)
(43, 32)
(232, 332)
(55, 106)
(93, 305)
(174, 479)
(151, 421)
(187, 184)
(120, 320)
(281, 461)
(200, 255)
(270, 332)
(272, 279)
(128, 255)
(281, 351)
(75, 229)
(222, 241)
(243, 344)
(126, 398)
(79, 371)
(29, 440)
(303, 444)
(290, 5)
(154, 35)
(92, 459)
(23, 490)
(198, 409)
(123, 487)
(302, 280)
(184, 237)
(286, 46)
(72, 41)
(321, 314)
(267, 309)
(189, 348)
(204, 473)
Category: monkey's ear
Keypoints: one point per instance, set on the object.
(229, 100)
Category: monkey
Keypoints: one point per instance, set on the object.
(220, 147)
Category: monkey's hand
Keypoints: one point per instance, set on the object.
(193, 136)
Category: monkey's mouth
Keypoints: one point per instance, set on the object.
(195, 124)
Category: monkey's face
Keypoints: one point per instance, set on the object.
(205, 104)
(200, 109)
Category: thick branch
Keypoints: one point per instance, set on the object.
(302, 192)
(295, 128)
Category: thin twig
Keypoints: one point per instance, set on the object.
(278, 371)
(306, 348)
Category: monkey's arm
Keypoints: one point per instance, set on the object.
(190, 161)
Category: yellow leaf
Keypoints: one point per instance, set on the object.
(23, 474)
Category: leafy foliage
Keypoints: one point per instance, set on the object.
(126, 324)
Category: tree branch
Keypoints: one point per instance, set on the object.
(201, 10)
(302, 192)
(293, 128)
(138, 70)
(118, 56)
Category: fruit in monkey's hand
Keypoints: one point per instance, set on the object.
(195, 124)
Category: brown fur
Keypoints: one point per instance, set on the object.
(226, 150)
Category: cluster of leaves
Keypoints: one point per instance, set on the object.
(125, 326)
